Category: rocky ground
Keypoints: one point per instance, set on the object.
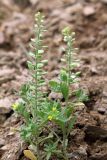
(88, 18)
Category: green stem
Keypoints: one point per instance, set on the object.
(36, 91)
(64, 143)
(55, 134)
(38, 151)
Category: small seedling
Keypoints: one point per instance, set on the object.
(48, 123)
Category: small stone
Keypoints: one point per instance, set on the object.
(53, 96)
(80, 106)
(6, 147)
(11, 133)
(101, 110)
(83, 150)
(94, 70)
(5, 105)
(34, 2)
(88, 11)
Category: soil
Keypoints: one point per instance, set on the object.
(88, 18)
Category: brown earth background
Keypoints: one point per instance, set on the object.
(88, 18)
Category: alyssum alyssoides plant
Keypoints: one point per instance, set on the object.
(48, 123)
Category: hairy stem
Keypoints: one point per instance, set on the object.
(64, 143)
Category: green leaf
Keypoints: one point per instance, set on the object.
(64, 89)
(39, 65)
(54, 86)
(71, 124)
(40, 51)
(80, 94)
(48, 156)
(73, 64)
(63, 75)
(31, 54)
(61, 119)
(66, 31)
(30, 65)
(63, 60)
(24, 89)
(45, 61)
(78, 74)
(68, 111)
(50, 149)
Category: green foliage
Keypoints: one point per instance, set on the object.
(54, 86)
(51, 149)
(64, 89)
(81, 96)
(44, 118)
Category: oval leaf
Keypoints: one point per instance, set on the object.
(29, 155)
(64, 90)
(54, 86)
(63, 76)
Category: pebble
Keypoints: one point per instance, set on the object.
(54, 95)
(88, 11)
(5, 105)
(5, 147)
(82, 150)
(101, 110)
(34, 2)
